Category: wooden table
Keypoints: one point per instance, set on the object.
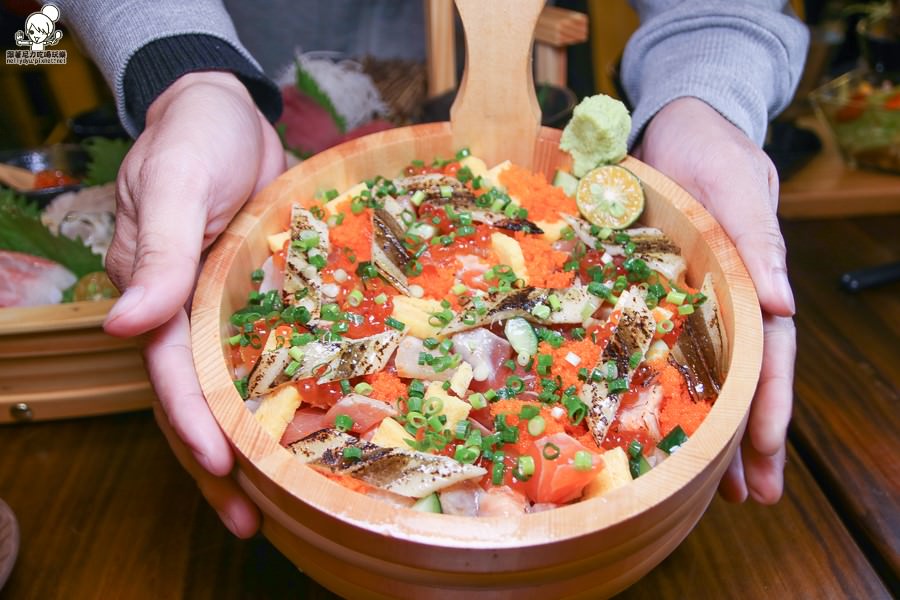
(106, 512)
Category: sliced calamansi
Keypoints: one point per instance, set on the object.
(610, 196)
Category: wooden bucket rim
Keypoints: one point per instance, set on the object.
(277, 468)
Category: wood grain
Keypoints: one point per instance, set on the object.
(58, 361)
(105, 511)
(846, 422)
(491, 111)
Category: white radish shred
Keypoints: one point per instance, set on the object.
(331, 290)
(573, 359)
(340, 276)
(557, 412)
(416, 291)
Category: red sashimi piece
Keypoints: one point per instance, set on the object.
(502, 501)
(27, 280)
(556, 479)
(306, 420)
(366, 412)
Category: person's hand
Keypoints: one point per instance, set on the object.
(716, 163)
(205, 150)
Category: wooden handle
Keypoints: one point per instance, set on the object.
(496, 113)
(16, 177)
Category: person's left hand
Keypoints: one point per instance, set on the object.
(717, 164)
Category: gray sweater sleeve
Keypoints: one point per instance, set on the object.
(742, 58)
(114, 32)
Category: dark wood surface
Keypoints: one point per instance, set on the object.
(106, 512)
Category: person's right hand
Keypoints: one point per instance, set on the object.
(205, 150)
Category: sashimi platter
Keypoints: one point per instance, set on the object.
(472, 358)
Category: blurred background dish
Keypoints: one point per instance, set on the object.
(862, 112)
(59, 168)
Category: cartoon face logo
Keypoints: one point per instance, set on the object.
(40, 29)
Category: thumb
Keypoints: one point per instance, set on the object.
(171, 220)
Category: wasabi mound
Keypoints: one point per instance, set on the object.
(597, 134)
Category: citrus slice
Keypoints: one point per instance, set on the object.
(610, 196)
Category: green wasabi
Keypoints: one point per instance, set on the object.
(597, 134)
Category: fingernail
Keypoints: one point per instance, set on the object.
(784, 289)
(130, 299)
(228, 522)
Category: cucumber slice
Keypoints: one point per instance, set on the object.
(566, 182)
(521, 336)
(430, 503)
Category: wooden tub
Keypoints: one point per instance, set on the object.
(361, 547)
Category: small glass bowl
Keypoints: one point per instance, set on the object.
(862, 113)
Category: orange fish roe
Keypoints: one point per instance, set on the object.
(585, 349)
(355, 233)
(386, 386)
(543, 201)
(512, 407)
(437, 280)
(545, 265)
(678, 408)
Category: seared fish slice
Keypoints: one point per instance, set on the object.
(388, 252)
(462, 199)
(634, 332)
(521, 303)
(405, 472)
(699, 352)
(328, 361)
(650, 245)
(302, 282)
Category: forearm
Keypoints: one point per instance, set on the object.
(143, 47)
(742, 58)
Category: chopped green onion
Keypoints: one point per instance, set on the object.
(686, 309)
(257, 275)
(343, 422)
(676, 298)
(462, 430)
(635, 448)
(235, 339)
(446, 191)
(498, 469)
(544, 362)
(458, 289)
(529, 411)
(583, 461)
(331, 312)
(524, 468)
(362, 388)
(292, 368)
(354, 298)
(345, 386)
(417, 388)
(541, 311)
(577, 333)
(431, 343)
(380, 299)
(366, 270)
(665, 326)
(433, 405)
(477, 401)
(296, 353)
(555, 304)
(467, 454)
(515, 383)
(635, 359)
(463, 153)
(352, 453)
(550, 451)
(617, 385)
(416, 419)
(241, 386)
(599, 290)
(673, 440)
(536, 425)
(392, 322)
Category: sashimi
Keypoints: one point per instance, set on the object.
(27, 280)
(366, 412)
(556, 477)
